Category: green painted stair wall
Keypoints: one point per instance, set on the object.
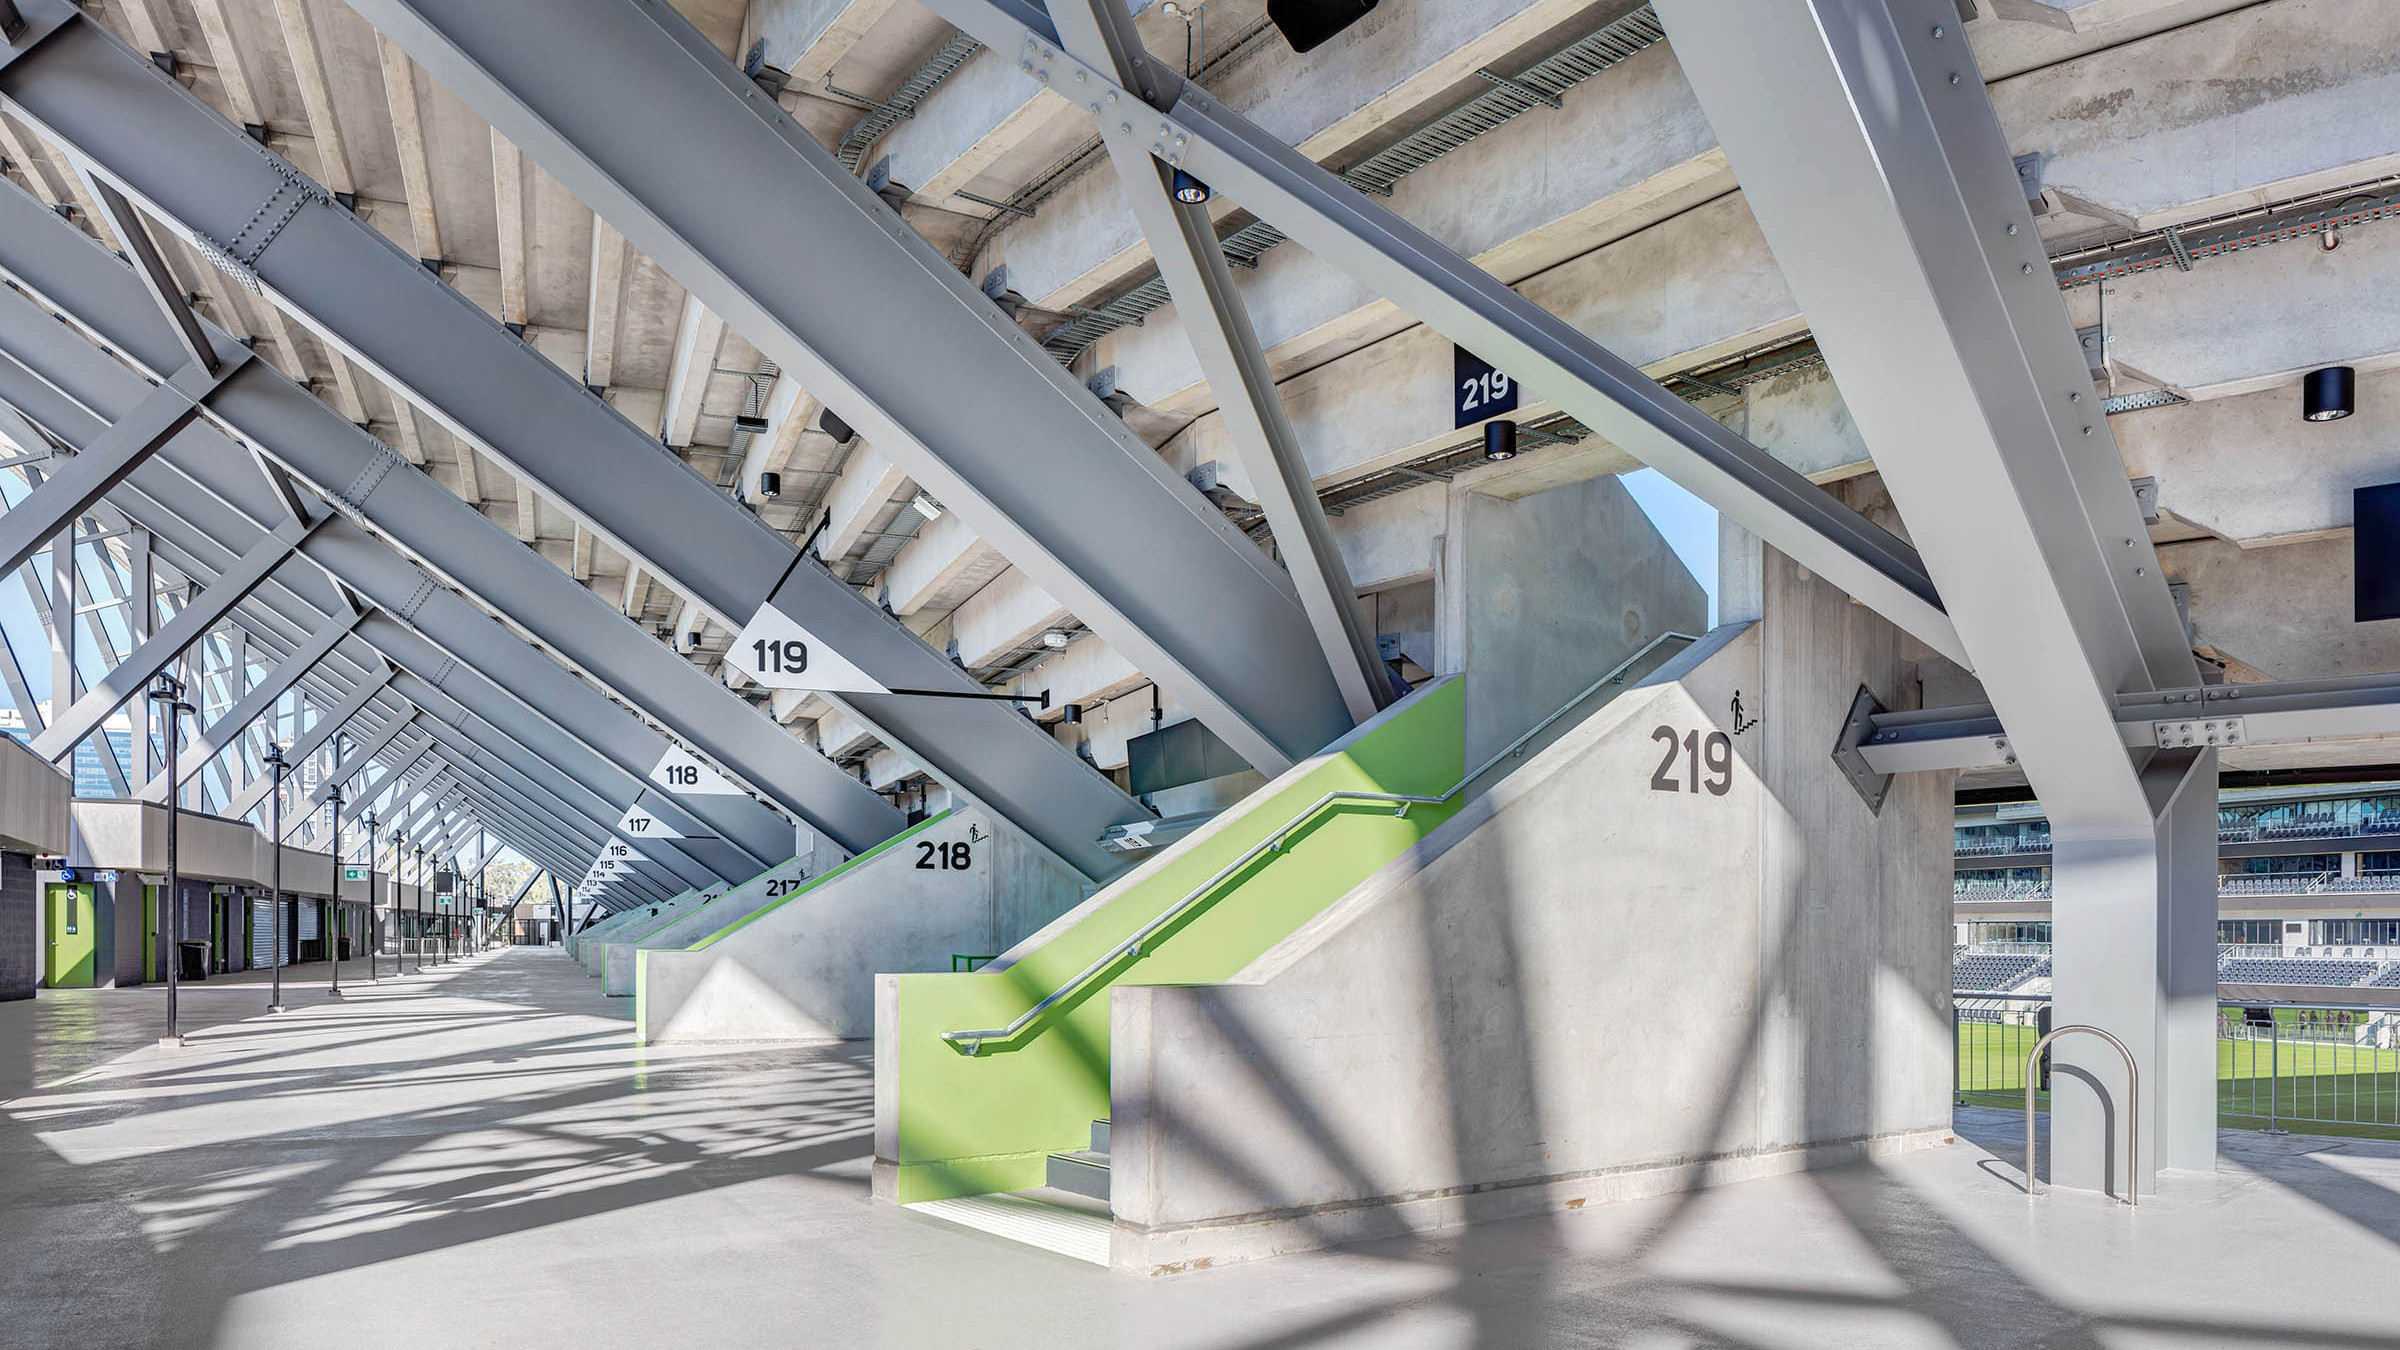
(971, 1125)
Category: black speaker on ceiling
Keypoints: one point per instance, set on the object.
(2375, 545)
(1306, 24)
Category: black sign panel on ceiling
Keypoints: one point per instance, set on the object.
(1477, 391)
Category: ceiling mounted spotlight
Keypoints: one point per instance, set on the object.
(835, 427)
(1189, 190)
(1499, 440)
(1309, 23)
(1055, 640)
(1071, 714)
(2330, 393)
(756, 426)
(926, 506)
(770, 485)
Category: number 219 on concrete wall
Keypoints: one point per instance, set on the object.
(1716, 749)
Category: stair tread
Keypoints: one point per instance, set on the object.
(1082, 1171)
(1034, 1220)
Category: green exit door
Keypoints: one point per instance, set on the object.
(73, 944)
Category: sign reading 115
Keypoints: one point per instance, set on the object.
(788, 657)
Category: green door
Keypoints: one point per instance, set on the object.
(73, 944)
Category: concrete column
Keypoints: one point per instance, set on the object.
(20, 927)
(2135, 928)
(1741, 574)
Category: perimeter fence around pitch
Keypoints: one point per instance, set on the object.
(2280, 1066)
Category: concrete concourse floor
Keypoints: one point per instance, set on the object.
(480, 1156)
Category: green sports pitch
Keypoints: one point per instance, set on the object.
(2309, 1079)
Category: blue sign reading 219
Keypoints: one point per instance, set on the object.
(1477, 391)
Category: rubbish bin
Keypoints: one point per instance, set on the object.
(193, 961)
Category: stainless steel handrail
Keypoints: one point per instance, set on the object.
(973, 1040)
(2133, 1112)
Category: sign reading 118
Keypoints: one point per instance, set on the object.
(788, 657)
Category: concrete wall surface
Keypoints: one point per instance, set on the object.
(1609, 976)
(131, 836)
(712, 909)
(590, 942)
(20, 926)
(33, 801)
(1559, 587)
(638, 920)
(805, 966)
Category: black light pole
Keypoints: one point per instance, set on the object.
(332, 904)
(276, 764)
(424, 923)
(416, 907)
(167, 691)
(334, 805)
(372, 944)
(399, 880)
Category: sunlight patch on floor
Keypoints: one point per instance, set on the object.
(1052, 1228)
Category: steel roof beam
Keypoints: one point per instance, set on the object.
(453, 538)
(224, 486)
(165, 478)
(194, 171)
(167, 645)
(71, 488)
(1470, 306)
(1183, 241)
(235, 720)
(589, 831)
(1867, 146)
(887, 333)
(329, 720)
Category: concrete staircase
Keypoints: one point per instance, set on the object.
(1084, 1171)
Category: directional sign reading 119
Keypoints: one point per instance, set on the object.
(778, 653)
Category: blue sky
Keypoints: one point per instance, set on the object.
(1689, 524)
(25, 637)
